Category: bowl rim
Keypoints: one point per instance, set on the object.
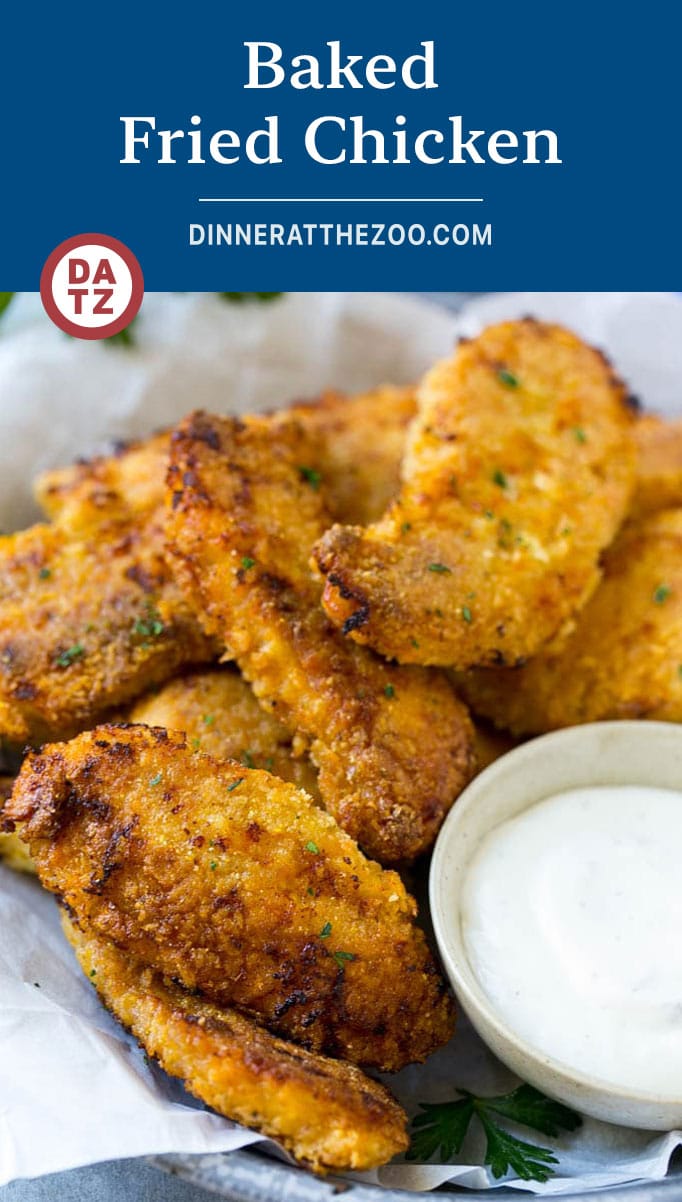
(467, 987)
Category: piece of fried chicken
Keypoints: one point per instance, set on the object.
(219, 713)
(393, 745)
(358, 445)
(358, 448)
(13, 851)
(126, 483)
(624, 657)
(517, 473)
(327, 1114)
(659, 465)
(87, 622)
(236, 884)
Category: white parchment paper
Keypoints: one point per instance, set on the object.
(74, 1089)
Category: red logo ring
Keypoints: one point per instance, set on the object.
(55, 313)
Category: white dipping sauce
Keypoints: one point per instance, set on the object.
(572, 922)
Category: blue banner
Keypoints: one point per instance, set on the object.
(260, 147)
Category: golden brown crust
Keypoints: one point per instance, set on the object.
(517, 473)
(234, 883)
(659, 465)
(327, 1114)
(393, 745)
(13, 851)
(624, 656)
(86, 623)
(128, 482)
(359, 442)
(219, 713)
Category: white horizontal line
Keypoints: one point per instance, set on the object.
(353, 200)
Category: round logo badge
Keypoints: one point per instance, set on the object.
(92, 286)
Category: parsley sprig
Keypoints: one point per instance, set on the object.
(441, 1128)
(240, 297)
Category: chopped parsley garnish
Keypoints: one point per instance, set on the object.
(342, 958)
(247, 759)
(579, 434)
(125, 337)
(389, 690)
(213, 865)
(310, 891)
(466, 613)
(208, 719)
(406, 526)
(508, 378)
(44, 574)
(234, 784)
(196, 743)
(326, 930)
(441, 1127)
(312, 848)
(239, 297)
(66, 658)
(414, 642)
(499, 478)
(440, 567)
(247, 562)
(151, 626)
(156, 780)
(661, 593)
(93, 972)
(311, 477)
(269, 763)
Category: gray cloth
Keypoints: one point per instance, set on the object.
(113, 1181)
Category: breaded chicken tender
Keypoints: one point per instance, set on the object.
(659, 465)
(87, 623)
(327, 1114)
(624, 656)
(129, 482)
(358, 448)
(393, 745)
(13, 851)
(517, 473)
(218, 711)
(236, 884)
(358, 445)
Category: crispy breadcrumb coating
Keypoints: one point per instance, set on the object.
(358, 445)
(87, 623)
(393, 745)
(13, 851)
(659, 465)
(327, 1114)
(234, 883)
(517, 474)
(219, 713)
(359, 442)
(126, 483)
(623, 658)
